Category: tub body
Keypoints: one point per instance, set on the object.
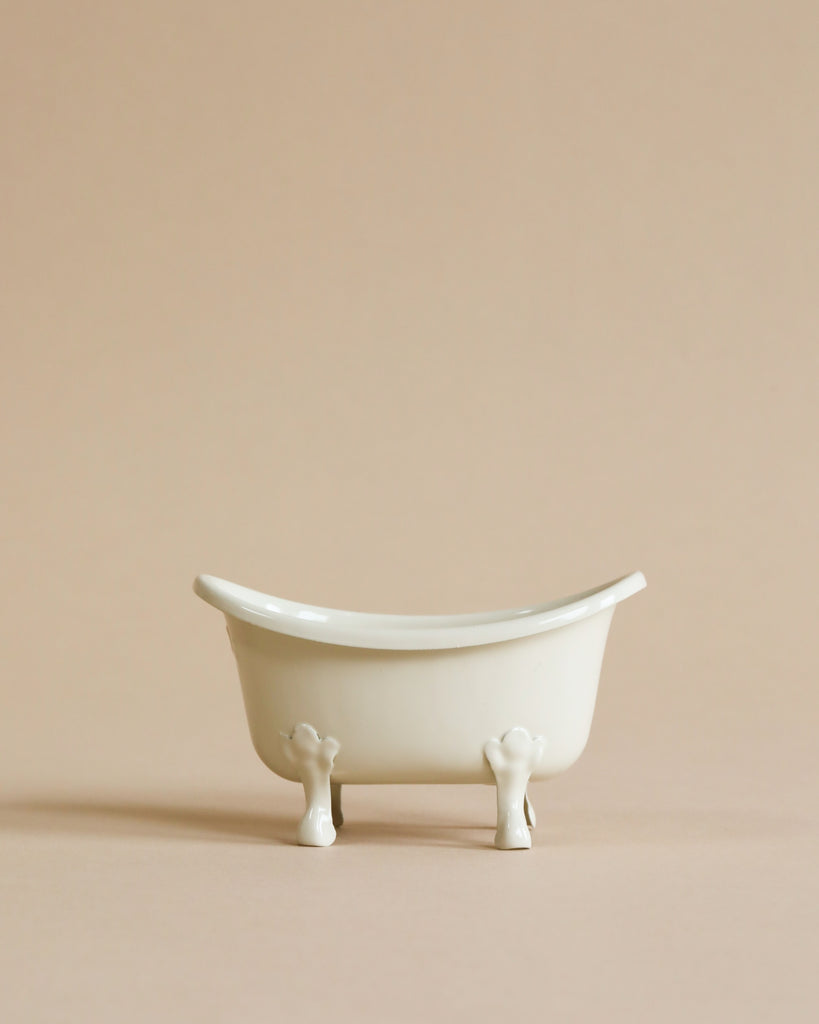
(421, 715)
(415, 698)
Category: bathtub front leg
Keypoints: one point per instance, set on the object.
(512, 759)
(313, 759)
(335, 801)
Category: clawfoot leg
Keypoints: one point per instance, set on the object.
(512, 759)
(335, 801)
(313, 759)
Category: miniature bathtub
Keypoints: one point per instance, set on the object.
(336, 697)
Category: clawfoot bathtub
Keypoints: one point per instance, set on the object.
(335, 697)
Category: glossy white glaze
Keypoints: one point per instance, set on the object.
(416, 698)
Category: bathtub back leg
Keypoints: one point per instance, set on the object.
(335, 800)
(313, 759)
(529, 811)
(512, 759)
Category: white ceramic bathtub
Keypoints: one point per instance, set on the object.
(335, 697)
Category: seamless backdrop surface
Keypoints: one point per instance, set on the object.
(408, 307)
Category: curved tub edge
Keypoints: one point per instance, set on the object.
(408, 632)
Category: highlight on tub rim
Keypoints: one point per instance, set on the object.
(408, 632)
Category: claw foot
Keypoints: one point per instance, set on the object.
(313, 759)
(512, 759)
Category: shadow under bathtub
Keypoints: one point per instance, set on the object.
(188, 822)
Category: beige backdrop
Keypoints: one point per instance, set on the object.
(408, 306)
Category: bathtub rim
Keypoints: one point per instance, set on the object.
(408, 632)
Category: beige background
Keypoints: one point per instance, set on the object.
(408, 306)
